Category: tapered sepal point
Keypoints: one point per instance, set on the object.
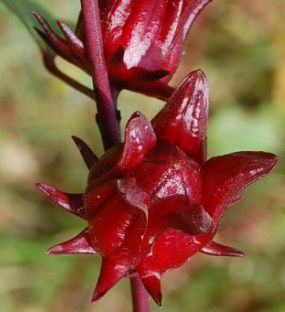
(70, 202)
(87, 154)
(215, 249)
(77, 245)
(226, 176)
(183, 120)
(110, 274)
(152, 284)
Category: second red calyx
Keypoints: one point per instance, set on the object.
(142, 42)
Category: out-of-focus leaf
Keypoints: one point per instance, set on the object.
(234, 129)
(23, 9)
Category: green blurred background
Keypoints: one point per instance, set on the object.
(240, 44)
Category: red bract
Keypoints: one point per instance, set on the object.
(143, 41)
(154, 201)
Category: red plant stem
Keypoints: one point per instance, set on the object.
(139, 294)
(106, 111)
(107, 116)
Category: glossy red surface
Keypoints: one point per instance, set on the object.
(154, 201)
(143, 41)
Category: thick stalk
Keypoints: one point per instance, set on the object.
(106, 111)
(107, 116)
(139, 295)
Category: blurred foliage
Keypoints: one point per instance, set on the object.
(23, 9)
(241, 46)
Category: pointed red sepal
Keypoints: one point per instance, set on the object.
(51, 38)
(224, 177)
(191, 11)
(76, 46)
(215, 249)
(79, 28)
(71, 38)
(70, 202)
(139, 141)
(153, 286)
(110, 274)
(87, 154)
(183, 120)
(77, 245)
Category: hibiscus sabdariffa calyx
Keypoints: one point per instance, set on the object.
(142, 42)
(155, 200)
